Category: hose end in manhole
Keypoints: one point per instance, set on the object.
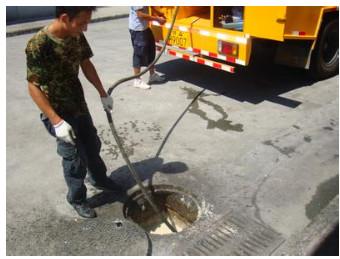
(179, 208)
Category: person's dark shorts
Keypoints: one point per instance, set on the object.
(144, 49)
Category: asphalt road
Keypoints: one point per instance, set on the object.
(262, 143)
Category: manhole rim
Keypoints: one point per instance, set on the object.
(159, 188)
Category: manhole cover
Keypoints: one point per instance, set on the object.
(179, 208)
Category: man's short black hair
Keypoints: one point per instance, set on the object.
(72, 11)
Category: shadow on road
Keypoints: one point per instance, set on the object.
(254, 84)
(145, 169)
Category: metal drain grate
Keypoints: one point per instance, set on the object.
(235, 234)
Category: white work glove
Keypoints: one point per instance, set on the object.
(64, 131)
(107, 103)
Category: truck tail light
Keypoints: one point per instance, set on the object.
(227, 48)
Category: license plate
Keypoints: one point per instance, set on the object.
(179, 38)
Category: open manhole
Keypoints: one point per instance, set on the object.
(179, 208)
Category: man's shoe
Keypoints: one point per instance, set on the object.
(109, 186)
(84, 210)
(140, 84)
(156, 79)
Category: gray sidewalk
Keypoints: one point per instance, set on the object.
(102, 14)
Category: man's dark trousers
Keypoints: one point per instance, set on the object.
(82, 158)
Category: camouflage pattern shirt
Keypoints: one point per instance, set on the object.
(53, 65)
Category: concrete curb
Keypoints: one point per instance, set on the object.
(36, 28)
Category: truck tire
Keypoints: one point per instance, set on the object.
(325, 56)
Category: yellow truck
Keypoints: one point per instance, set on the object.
(225, 37)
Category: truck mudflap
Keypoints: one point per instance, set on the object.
(196, 56)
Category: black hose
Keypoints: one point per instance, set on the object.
(115, 134)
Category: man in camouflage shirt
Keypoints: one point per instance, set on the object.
(54, 56)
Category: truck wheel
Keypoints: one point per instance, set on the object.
(325, 57)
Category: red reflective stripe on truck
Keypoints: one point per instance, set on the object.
(186, 57)
(171, 52)
(213, 55)
(201, 61)
(231, 59)
(216, 65)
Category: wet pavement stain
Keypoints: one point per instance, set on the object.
(325, 192)
(129, 141)
(328, 128)
(222, 123)
(254, 199)
(307, 139)
(109, 145)
(285, 151)
(332, 122)
(191, 93)
(134, 125)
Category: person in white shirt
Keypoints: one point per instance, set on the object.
(143, 42)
